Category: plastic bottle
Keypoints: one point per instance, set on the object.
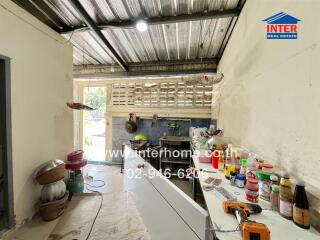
(233, 176)
(274, 180)
(301, 207)
(221, 162)
(215, 159)
(243, 166)
(286, 197)
(238, 164)
(252, 166)
(274, 197)
(264, 185)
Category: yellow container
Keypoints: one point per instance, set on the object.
(229, 168)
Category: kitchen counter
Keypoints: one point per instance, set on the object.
(279, 227)
(167, 212)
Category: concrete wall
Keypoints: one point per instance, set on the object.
(270, 101)
(41, 84)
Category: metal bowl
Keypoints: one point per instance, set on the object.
(50, 172)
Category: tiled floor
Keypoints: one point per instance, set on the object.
(36, 229)
(95, 176)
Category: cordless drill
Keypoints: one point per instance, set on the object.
(251, 230)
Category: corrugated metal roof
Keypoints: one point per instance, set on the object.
(163, 42)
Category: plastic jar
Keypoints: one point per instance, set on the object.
(286, 198)
(267, 168)
(252, 196)
(240, 181)
(274, 197)
(252, 184)
(264, 185)
(252, 190)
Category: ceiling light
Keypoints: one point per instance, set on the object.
(141, 26)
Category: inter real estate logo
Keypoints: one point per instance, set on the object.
(282, 26)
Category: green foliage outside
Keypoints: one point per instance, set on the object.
(95, 97)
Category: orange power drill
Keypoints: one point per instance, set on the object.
(250, 230)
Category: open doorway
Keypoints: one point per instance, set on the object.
(6, 179)
(94, 124)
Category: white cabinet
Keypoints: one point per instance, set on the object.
(167, 212)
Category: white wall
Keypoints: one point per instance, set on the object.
(270, 95)
(41, 75)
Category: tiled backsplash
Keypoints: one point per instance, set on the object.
(120, 135)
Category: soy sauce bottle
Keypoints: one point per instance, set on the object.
(301, 207)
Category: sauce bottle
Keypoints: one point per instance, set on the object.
(221, 162)
(286, 198)
(274, 197)
(301, 207)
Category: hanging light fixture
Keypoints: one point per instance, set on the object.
(141, 25)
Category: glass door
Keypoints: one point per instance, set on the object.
(94, 124)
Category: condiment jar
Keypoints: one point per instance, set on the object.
(301, 207)
(260, 163)
(233, 178)
(274, 197)
(267, 168)
(240, 180)
(252, 196)
(264, 185)
(229, 168)
(252, 190)
(286, 197)
(238, 164)
(252, 184)
(221, 162)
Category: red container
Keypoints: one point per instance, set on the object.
(252, 196)
(252, 184)
(75, 156)
(215, 156)
(267, 168)
(77, 165)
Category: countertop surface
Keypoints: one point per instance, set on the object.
(279, 227)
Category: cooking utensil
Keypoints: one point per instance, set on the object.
(131, 125)
(50, 172)
(53, 191)
(173, 127)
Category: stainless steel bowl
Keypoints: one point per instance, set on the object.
(48, 166)
(50, 172)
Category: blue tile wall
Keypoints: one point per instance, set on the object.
(120, 135)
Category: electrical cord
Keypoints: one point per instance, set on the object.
(218, 229)
(224, 231)
(97, 214)
(103, 183)
(101, 202)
